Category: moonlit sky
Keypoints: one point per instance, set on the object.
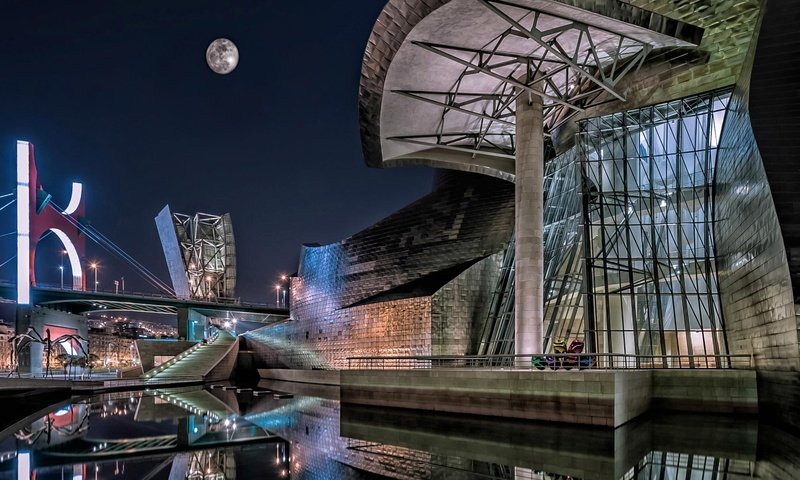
(117, 95)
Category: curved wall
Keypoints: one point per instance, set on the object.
(775, 116)
(755, 287)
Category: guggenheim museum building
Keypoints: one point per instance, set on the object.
(618, 173)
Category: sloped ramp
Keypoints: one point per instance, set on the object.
(208, 362)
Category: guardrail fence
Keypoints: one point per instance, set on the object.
(554, 361)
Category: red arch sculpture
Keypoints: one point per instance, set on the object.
(36, 215)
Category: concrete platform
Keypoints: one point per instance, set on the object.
(317, 377)
(607, 398)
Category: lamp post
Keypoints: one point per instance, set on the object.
(277, 295)
(284, 279)
(94, 267)
(62, 268)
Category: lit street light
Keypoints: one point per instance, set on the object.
(277, 295)
(63, 252)
(94, 267)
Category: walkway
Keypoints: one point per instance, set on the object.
(196, 362)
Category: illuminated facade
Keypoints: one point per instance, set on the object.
(113, 351)
(200, 253)
(418, 282)
(656, 220)
(645, 174)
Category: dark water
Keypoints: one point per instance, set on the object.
(220, 434)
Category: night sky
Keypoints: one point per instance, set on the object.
(117, 95)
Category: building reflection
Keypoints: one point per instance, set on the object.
(221, 435)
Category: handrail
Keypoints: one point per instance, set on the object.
(555, 361)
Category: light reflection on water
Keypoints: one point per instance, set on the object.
(221, 435)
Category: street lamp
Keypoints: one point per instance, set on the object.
(277, 295)
(94, 267)
(63, 252)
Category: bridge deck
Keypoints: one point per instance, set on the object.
(77, 301)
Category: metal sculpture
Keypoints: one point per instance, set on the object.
(22, 340)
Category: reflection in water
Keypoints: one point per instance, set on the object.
(220, 435)
(668, 465)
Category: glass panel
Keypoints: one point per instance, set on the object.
(645, 177)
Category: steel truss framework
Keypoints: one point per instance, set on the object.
(209, 254)
(569, 64)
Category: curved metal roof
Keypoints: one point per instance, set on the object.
(440, 78)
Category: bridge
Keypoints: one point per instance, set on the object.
(200, 256)
(80, 302)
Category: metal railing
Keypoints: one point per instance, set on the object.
(554, 361)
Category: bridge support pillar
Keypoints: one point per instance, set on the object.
(29, 359)
(192, 325)
(183, 323)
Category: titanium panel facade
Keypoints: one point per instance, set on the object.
(415, 283)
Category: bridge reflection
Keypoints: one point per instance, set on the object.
(219, 434)
(182, 432)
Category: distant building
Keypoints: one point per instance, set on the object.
(112, 351)
(6, 332)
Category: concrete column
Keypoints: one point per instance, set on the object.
(529, 226)
(30, 358)
(183, 323)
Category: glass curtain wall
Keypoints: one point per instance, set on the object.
(563, 250)
(650, 280)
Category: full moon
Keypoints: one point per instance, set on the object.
(222, 56)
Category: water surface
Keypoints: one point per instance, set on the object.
(216, 434)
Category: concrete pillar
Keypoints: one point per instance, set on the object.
(529, 226)
(183, 323)
(30, 358)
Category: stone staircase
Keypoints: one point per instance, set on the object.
(196, 362)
